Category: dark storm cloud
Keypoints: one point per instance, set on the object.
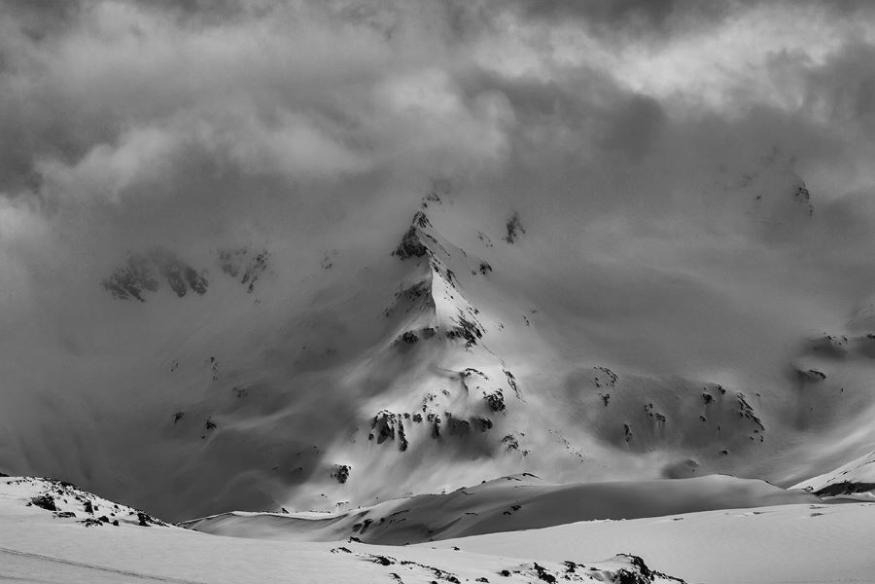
(133, 119)
(667, 17)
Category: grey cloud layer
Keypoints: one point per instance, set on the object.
(128, 121)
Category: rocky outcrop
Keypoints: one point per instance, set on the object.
(245, 265)
(411, 245)
(149, 272)
(514, 227)
(67, 502)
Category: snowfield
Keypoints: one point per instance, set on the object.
(791, 543)
(38, 545)
(788, 544)
(507, 504)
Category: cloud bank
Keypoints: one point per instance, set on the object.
(625, 128)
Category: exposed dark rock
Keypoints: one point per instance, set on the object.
(409, 337)
(830, 345)
(383, 425)
(341, 473)
(746, 411)
(144, 273)
(467, 330)
(256, 267)
(514, 228)
(511, 380)
(482, 424)
(543, 574)
(133, 279)
(602, 376)
(421, 220)
(418, 293)
(844, 488)
(456, 426)
(812, 375)
(803, 197)
(653, 414)
(180, 276)
(45, 501)
(246, 264)
(411, 246)
(402, 437)
(388, 425)
(495, 401)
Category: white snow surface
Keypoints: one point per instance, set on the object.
(36, 546)
(508, 504)
(787, 544)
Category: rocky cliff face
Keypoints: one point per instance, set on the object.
(149, 272)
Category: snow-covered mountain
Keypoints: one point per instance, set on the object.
(460, 346)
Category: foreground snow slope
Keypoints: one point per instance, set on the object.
(507, 504)
(37, 545)
(789, 544)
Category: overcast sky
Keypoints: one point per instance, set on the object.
(183, 122)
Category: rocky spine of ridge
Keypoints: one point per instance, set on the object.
(430, 313)
(437, 293)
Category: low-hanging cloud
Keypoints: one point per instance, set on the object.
(128, 122)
